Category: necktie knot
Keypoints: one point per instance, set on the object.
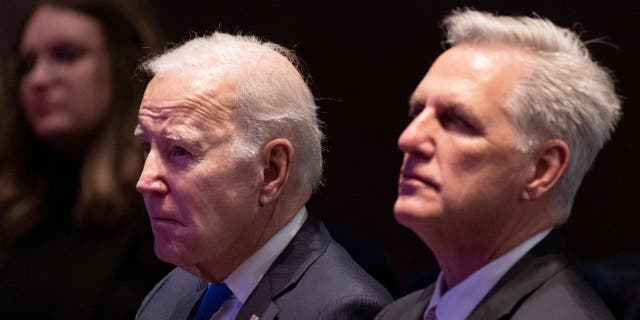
(212, 300)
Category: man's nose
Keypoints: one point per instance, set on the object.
(152, 176)
(420, 135)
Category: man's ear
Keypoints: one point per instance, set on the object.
(276, 156)
(550, 163)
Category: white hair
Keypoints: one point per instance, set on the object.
(565, 94)
(272, 99)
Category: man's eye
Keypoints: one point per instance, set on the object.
(414, 110)
(146, 147)
(177, 151)
(452, 121)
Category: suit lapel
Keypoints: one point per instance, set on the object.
(259, 302)
(417, 308)
(307, 245)
(522, 279)
(185, 306)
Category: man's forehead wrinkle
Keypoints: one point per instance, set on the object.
(209, 109)
(184, 112)
(164, 112)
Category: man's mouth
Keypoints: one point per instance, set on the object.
(407, 179)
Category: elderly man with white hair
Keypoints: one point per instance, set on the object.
(505, 125)
(233, 152)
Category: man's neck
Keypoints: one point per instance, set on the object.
(460, 300)
(459, 259)
(475, 246)
(218, 269)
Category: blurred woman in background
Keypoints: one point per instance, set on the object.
(74, 240)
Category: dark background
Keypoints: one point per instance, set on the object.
(365, 58)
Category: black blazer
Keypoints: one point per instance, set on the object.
(541, 285)
(63, 273)
(313, 278)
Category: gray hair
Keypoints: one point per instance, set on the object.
(272, 99)
(565, 94)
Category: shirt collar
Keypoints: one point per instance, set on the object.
(459, 301)
(248, 274)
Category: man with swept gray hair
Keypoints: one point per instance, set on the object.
(505, 125)
(233, 152)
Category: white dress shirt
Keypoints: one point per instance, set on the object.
(246, 276)
(458, 302)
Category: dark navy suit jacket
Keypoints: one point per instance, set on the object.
(541, 285)
(313, 278)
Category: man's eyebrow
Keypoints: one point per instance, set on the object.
(464, 111)
(412, 99)
(184, 137)
(457, 108)
(414, 102)
(138, 131)
(178, 137)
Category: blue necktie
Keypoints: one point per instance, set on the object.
(212, 300)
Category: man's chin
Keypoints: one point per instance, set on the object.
(409, 212)
(169, 252)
